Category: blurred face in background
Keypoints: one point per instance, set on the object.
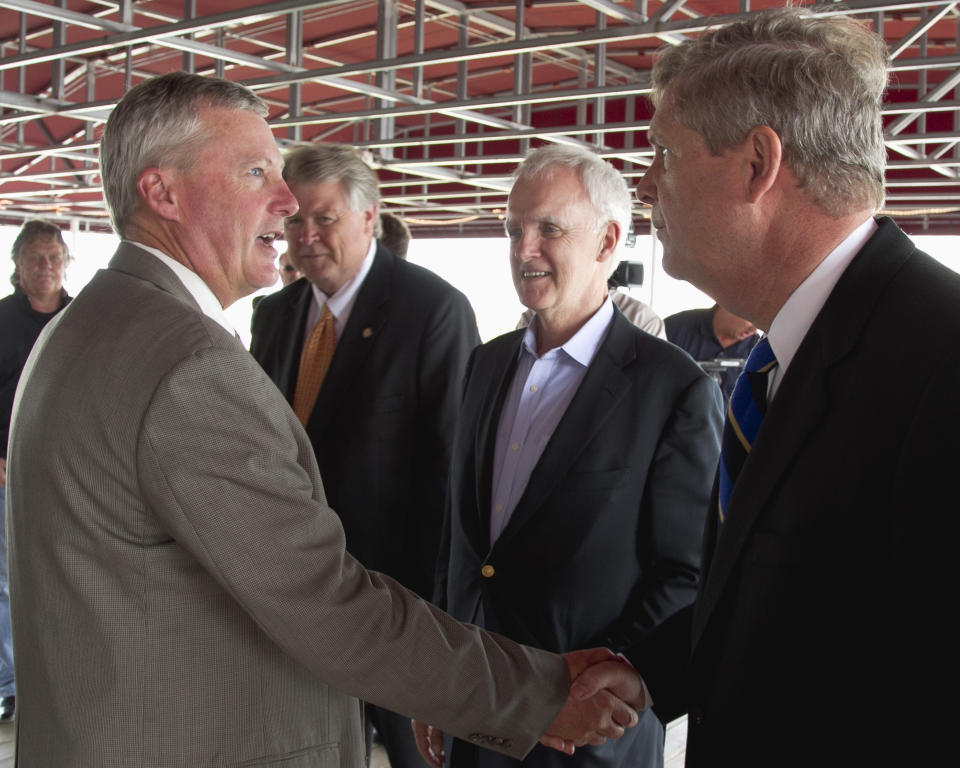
(41, 265)
(288, 272)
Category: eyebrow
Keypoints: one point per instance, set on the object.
(260, 160)
(539, 221)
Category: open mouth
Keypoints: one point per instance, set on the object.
(530, 275)
(268, 238)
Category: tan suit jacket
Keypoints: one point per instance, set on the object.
(182, 596)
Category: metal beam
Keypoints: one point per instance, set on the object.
(455, 108)
(167, 35)
(919, 30)
(53, 13)
(431, 108)
(614, 11)
(898, 125)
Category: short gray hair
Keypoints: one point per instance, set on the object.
(157, 124)
(31, 230)
(327, 163)
(816, 80)
(605, 187)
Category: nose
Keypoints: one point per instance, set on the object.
(309, 230)
(284, 204)
(646, 191)
(527, 245)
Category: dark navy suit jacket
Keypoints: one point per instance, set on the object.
(604, 544)
(384, 420)
(822, 632)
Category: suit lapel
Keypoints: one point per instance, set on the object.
(798, 407)
(502, 366)
(289, 330)
(603, 386)
(366, 322)
(792, 416)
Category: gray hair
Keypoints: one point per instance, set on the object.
(31, 230)
(815, 80)
(605, 187)
(327, 163)
(157, 124)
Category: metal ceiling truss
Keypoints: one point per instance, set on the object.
(445, 96)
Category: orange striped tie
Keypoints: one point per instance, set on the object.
(314, 362)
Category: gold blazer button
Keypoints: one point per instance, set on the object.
(488, 571)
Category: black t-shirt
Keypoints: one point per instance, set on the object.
(692, 331)
(20, 324)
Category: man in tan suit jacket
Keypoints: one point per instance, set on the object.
(181, 592)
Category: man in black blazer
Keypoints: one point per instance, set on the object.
(821, 632)
(584, 455)
(383, 419)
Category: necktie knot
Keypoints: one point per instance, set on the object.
(761, 359)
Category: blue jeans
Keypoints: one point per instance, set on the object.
(6, 639)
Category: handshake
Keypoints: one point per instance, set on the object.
(606, 693)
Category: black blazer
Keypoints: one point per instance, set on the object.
(820, 633)
(384, 419)
(605, 541)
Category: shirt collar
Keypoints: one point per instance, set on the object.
(800, 310)
(209, 303)
(583, 345)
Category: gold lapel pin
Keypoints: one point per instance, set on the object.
(367, 333)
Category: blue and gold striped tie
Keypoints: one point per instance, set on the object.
(748, 404)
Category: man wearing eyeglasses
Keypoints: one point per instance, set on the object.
(40, 258)
(370, 351)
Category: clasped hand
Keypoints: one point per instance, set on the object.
(606, 693)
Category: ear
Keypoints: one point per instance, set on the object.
(765, 156)
(608, 241)
(154, 187)
(370, 218)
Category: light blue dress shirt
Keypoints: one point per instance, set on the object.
(539, 394)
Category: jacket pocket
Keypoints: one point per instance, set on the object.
(323, 756)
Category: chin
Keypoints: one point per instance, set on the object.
(670, 268)
(264, 280)
(535, 299)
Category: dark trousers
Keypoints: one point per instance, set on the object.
(396, 735)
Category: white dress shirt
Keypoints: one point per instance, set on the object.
(341, 303)
(800, 310)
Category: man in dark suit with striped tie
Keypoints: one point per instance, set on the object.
(820, 634)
